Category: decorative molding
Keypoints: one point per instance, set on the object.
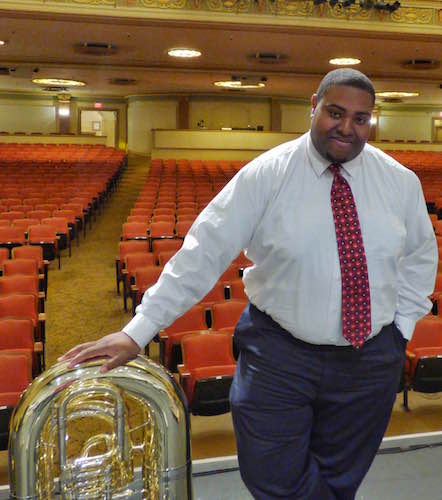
(416, 13)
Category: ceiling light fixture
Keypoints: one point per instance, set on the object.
(2, 42)
(234, 84)
(344, 61)
(421, 64)
(58, 82)
(396, 94)
(184, 53)
(96, 48)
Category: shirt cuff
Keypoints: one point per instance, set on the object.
(140, 329)
(405, 325)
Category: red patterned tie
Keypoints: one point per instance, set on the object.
(356, 319)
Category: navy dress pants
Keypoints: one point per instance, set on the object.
(309, 419)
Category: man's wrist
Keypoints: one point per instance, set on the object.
(140, 329)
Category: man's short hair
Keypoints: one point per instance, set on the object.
(345, 76)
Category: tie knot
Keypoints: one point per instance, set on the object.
(335, 168)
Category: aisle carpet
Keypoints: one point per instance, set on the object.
(82, 303)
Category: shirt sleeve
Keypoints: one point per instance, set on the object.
(217, 236)
(418, 266)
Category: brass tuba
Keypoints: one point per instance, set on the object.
(80, 434)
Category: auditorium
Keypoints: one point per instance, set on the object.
(121, 121)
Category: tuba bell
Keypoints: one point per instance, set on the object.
(80, 434)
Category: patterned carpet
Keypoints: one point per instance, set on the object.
(82, 304)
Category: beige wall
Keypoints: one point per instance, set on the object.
(295, 117)
(215, 144)
(52, 139)
(139, 115)
(27, 115)
(145, 114)
(437, 132)
(406, 125)
(235, 113)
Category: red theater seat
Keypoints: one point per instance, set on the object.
(207, 372)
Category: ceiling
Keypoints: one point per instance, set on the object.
(47, 44)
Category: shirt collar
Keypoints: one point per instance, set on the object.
(320, 164)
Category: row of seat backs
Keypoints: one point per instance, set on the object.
(224, 316)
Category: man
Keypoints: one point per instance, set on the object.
(344, 260)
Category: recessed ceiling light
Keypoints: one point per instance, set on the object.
(344, 61)
(184, 53)
(58, 81)
(234, 84)
(2, 42)
(396, 95)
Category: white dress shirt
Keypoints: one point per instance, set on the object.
(278, 209)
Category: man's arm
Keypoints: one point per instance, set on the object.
(218, 235)
(418, 267)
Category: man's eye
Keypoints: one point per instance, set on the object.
(335, 114)
(361, 120)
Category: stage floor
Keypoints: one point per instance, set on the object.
(405, 468)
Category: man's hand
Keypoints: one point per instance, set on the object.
(117, 348)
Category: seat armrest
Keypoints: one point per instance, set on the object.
(183, 372)
(162, 335)
(38, 347)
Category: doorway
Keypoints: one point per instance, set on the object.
(100, 123)
(437, 130)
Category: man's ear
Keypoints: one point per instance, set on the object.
(314, 103)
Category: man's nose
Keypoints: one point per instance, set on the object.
(346, 126)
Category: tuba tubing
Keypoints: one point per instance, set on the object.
(46, 402)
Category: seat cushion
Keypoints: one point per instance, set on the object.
(9, 398)
(421, 352)
(206, 372)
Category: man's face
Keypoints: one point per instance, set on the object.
(341, 122)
